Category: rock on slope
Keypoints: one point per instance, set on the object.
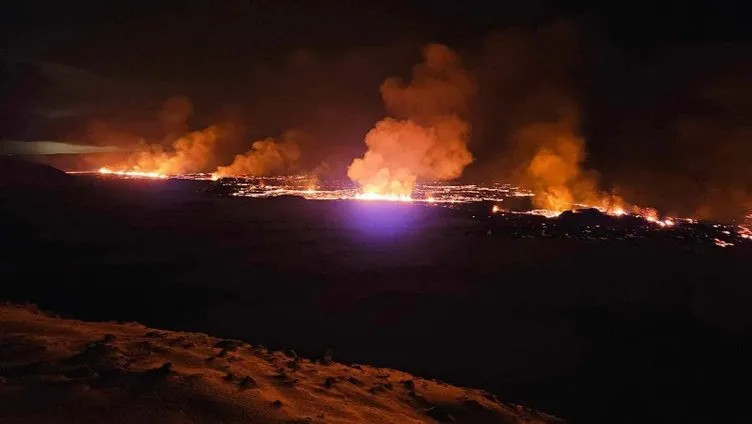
(61, 370)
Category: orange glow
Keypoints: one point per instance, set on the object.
(266, 157)
(426, 137)
(135, 174)
(384, 197)
(721, 243)
(189, 153)
(648, 214)
(618, 212)
(548, 213)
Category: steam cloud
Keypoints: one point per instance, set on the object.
(427, 138)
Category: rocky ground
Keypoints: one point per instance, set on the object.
(68, 371)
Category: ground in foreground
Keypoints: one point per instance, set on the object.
(62, 370)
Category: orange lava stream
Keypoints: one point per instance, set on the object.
(137, 174)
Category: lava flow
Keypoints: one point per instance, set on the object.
(135, 174)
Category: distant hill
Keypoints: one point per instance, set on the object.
(22, 174)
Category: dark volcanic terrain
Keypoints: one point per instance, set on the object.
(57, 370)
(592, 329)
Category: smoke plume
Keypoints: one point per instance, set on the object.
(427, 136)
(192, 152)
(552, 165)
(529, 124)
(174, 149)
(698, 165)
(174, 116)
(266, 157)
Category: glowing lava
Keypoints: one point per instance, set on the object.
(648, 214)
(384, 197)
(134, 174)
(745, 232)
(721, 243)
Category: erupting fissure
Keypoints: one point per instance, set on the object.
(423, 139)
(137, 174)
(427, 136)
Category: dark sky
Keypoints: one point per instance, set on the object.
(208, 49)
(652, 80)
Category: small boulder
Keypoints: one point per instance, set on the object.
(162, 371)
(228, 344)
(248, 383)
(293, 365)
